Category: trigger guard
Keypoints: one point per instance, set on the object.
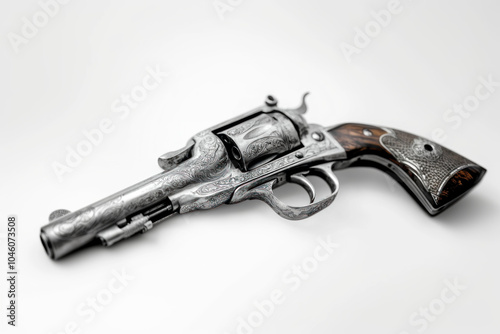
(264, 192)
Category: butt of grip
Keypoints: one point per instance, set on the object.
(433, 174)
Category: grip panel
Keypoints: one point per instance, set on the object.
(436, 176)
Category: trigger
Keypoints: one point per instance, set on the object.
(306, 184)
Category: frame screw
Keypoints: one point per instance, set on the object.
(318, 136)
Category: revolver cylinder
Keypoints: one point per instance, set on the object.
(260, 139)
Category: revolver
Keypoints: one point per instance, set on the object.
(247, 157)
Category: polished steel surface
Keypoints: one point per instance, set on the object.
(243, 158)
(260, 137)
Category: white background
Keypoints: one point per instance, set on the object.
(199, 273)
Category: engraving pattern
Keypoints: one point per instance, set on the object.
(209, 162)
(271, 144)
(288, 160)
(264, 192)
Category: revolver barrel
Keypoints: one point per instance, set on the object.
(119, 216)
(141, 206)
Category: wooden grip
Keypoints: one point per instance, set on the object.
(436, 176)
